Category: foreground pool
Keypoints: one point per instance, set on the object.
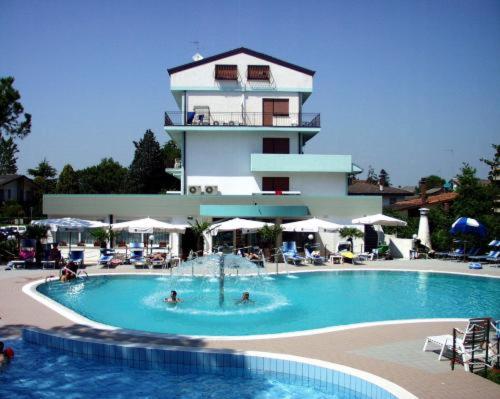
(281, 304)
(40, 372)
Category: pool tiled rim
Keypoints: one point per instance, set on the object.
(325, 376)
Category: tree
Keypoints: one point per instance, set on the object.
(384, 178)
(473, 198)
(147, 171)
(270, 234)
(68, 182)
(433, 181)
(8, 159)
(43, 175)
(11, 111)
(494, 164)
(11, 209)
(108, 177)
(170, 153)
(371, 176)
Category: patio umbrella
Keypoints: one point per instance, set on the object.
(466, 225)
(70, 225)
(148, 225)
(313, 225)
(379, 219)
(247, 226)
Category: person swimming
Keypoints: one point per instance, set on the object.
(245, 298)
(173, 298)
(5, 355)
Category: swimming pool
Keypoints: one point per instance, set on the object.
(309, 301)
(44, 372)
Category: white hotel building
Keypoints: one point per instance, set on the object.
(242, 129)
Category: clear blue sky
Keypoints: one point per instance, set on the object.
(409, 86)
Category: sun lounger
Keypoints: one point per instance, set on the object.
(107, 255)
(314, 259)
(76, 256)
(469, 346)
(482, 257)
(290, 254)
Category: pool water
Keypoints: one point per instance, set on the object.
(38, 372)
(281, 304)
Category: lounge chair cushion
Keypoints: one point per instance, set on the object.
(475, 265)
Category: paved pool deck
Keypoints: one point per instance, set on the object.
(393, 352)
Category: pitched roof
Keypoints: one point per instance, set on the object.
(432, 200)
(240, 50)
(4, 179)
(362, 187)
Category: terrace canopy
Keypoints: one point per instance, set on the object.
(148, 225)
(313, 225)
(379, 219)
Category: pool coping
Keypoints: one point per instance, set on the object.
(60, 341)
(30, 290)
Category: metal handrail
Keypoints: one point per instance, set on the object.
(240, 118)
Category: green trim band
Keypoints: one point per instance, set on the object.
(262, 211)
(242, 89)
(319, 163)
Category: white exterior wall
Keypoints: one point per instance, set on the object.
(203, 76)
(238, 101)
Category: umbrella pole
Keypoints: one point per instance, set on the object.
(69, 242)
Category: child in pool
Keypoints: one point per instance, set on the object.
(245, 298)
(173, 298)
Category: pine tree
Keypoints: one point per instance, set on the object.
(147, 171)
(11, 111)
(8, 159)
(384, 178)
(371, 176)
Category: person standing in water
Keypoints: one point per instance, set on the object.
(173, 298)
(245, 298)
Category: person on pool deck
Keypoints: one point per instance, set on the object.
(173, 298)
(252, 256)
(245, 298)
(69, 272)
(55, 255)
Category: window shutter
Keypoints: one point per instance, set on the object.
(258, 72)
(281, 107)
(226, 72)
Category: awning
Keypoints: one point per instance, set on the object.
(256, 211)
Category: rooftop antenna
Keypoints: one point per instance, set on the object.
(197, 56)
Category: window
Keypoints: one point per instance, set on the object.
(275, 184)
(276, 145)
(226, 72)
(258, 72)
(273, 107)
(8, 194)
(280, 107)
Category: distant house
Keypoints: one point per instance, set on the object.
(16, 188)
(427, 199)
(390, 195)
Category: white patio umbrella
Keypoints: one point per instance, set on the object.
(313, 225)
(247, 226)
(148, 225)
(379, 219)
(71, 225)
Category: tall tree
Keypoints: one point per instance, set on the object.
(8, 158)
(108, 177)
(147, 171)
(473, 199)
(68, 182)
(43, 175)
(494, 164)
(371, 176)
(170, 153)
(14, 122)
(433, 181)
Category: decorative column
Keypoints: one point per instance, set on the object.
(424, 234)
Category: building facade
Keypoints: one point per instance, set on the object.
(242, 130)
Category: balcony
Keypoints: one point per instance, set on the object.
(242, 119)
(300, 163)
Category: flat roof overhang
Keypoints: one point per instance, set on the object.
(256, 211)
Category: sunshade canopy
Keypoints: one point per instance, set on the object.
(466, 225)
(70, 224)
(313, 225)
(379, 219)
(245, 225)
(148, 225)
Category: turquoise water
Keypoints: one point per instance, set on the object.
(281, 304)
(38, 372)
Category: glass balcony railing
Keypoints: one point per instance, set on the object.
(257, 119)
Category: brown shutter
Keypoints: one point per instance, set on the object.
(267, 109)
(281, 184)
(281, 107)
(226, 72)
(267, 184)
(258, 72)
(267, 146)
(282, 145)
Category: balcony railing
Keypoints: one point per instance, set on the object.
(228, 119)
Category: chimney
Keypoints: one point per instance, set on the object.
(423, 189)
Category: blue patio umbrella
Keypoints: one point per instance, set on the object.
(466, 225)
